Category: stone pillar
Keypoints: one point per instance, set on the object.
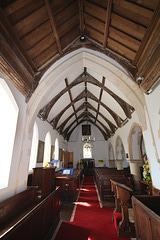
(119, 164)
(135, 171)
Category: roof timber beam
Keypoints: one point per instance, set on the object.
(100, 97)
(91, 115)
(148, 36)
(53, 26)
(88, 106)
(88, 94)
(81, 16)
(70, 96)
(15, 41)
(82, 95)
(86, 77)
(44, 112)
(67, 135)
(107, 22)
(128, 110)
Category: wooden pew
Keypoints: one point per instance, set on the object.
(69, 185)
(117, 200)
(102, 178)
(22, 217)
(124, 227)
(14, 206)
(147, 216)
(155, 191)
(44, 178)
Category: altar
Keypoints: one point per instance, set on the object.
(88, 165)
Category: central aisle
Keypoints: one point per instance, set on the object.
(90, 221)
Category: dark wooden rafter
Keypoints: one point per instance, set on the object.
(88, 106)
(90, 44)
(70, 96)
(128, 110)
(45, 110)
(100, 97)
(68, 134)
(53, 25)
(81, 16)
(117, 118)
(43, 32)
(86, 77)
(88, 115)
(82, 95)
(148, 35)
(14, 41)
(107, 22)
(19, 58)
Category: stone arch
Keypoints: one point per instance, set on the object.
(94, 60)
(119, 149)
(134, 141)
(120, 154)
(135, 153)
(101, 64)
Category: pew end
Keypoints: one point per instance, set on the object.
(125, 228)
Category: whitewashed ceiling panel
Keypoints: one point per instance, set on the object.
(112, 104)
(62, 102)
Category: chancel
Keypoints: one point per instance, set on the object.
(80, 119)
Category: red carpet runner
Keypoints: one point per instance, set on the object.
(90, 222)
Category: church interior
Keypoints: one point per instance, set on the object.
(80, 126)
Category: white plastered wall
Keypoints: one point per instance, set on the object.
(100, 146)
(101, 64)
(45, 127)
(15, 162)
(152, 134)
(92, 60)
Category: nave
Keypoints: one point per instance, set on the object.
(90, 222)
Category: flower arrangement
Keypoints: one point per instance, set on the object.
(146, 171)
(46, 164)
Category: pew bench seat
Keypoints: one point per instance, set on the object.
(26, 216)
(122, 215)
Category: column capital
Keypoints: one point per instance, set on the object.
(119, 160)
(134, 160)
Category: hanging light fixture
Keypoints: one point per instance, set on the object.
(88, 139)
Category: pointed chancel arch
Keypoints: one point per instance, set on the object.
(85, 78)
(93, 60)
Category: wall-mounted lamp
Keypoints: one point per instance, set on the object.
(139, 79)
(82, 38)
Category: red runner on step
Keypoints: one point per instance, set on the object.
(90, 222)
